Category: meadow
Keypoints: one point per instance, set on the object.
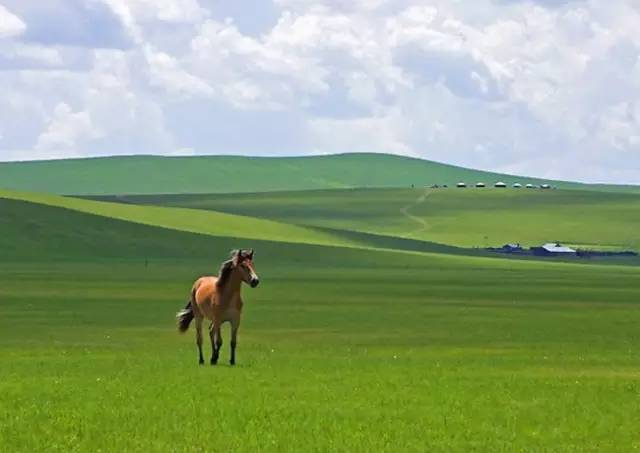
(365, 333)
(456, 217)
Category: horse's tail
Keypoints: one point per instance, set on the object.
(185, 316)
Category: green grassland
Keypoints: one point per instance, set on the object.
(227, 174)
(457, 217)
(222, 224)
(343, 347)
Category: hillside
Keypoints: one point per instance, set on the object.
(459, 217)
(48, 233)
(206, 222)
(227, 174)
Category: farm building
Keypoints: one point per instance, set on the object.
(461, 185)
(530, 186)
(545, 186)
(553, 249)
(511, 248)
(508, 248)
(480, 184)
(500, 185)
(517, 185)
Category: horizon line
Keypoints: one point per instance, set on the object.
(303, 156)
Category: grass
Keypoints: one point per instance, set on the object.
(188, 220)
(457, 217)
(226, 174)
(194, 221)
(341, 349)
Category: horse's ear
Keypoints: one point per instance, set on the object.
(251, 253)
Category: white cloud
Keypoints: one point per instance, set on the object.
(172, 11)
(65, 129)
(164, 72)
(10, 24)
(534, 87)
(166, 10)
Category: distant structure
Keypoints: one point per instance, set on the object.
(508, 248)
(500, 185)
(461, 185)
(512, 248)
(517, 185)
(480, 184)
(545, 186)
(530, 186)
(553, 249)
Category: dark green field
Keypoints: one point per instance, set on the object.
(365, 334)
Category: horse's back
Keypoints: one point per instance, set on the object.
(204, 294)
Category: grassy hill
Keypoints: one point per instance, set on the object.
(459, 217)
(227, 174)
(220, 224)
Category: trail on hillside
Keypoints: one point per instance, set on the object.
(405, 211)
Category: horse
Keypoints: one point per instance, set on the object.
(218, 300)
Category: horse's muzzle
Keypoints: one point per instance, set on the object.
(254, 282)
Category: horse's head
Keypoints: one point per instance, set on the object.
(243, 263)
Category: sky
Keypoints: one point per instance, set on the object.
(547, 88)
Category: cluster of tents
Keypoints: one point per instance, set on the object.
(499, 184)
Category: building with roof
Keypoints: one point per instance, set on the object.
(500, 185)
(512, 248)
(480, 184)
(553, 249)
(461, 184)
(517, 185)
(508, 248)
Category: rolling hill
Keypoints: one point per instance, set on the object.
(463, 218)
(227, 174)
(218, 224)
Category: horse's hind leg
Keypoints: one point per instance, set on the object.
(235, 325)
(199, 338)
(216, 341)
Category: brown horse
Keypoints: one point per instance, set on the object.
(218, 299)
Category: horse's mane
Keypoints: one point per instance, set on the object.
(224, 273)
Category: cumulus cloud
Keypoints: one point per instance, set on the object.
(65, 129)
(10, 24)
(536, 87)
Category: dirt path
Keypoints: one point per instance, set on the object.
(405, 211)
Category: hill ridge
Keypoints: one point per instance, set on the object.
(153, 174)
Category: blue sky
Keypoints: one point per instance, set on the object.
(545, 88)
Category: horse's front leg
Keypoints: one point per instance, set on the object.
(216, 341)
(235, 325)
